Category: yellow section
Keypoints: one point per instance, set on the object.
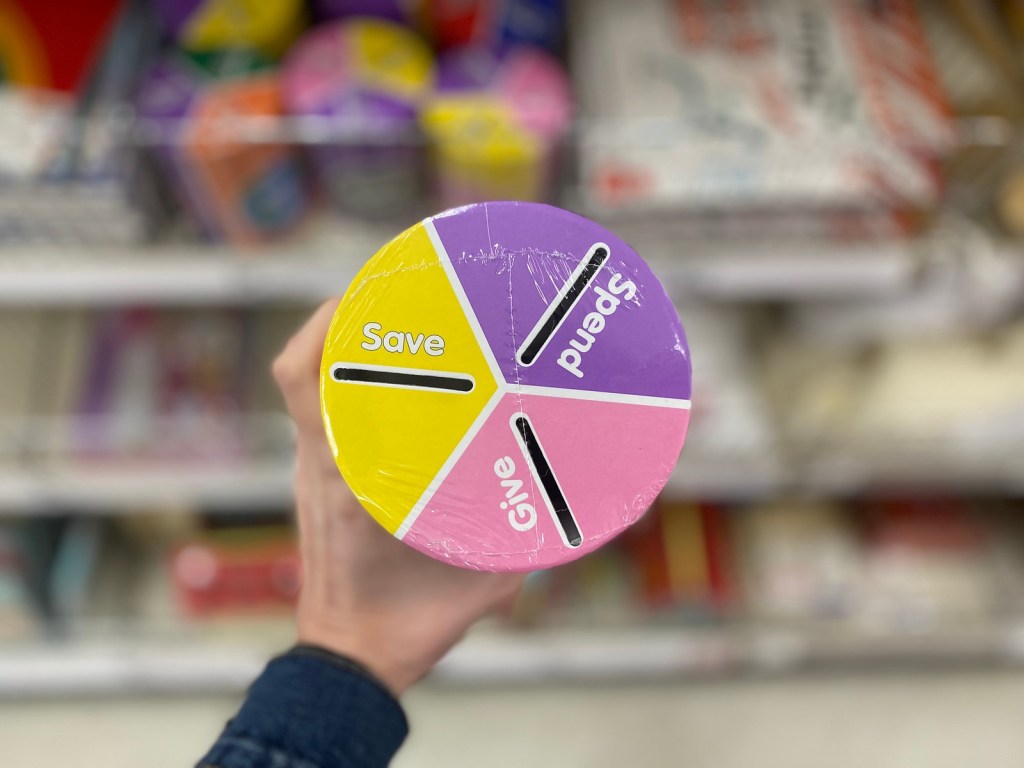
(389, 58)
(21, 51)
(390, 443)
(479, 144)
(267, 25)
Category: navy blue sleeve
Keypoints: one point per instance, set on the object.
(312, 709)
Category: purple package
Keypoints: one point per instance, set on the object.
(395, 10)
(358, 86)
(496, 122)
(212, 25)
(234, 190)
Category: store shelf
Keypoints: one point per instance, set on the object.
(520, 658)
(969, 469)
(265, 484)
(323, 258)
(244, 486)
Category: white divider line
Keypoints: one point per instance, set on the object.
(602, 397)
(452, 460)
(460, 293)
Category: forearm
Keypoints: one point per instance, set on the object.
(312, 709)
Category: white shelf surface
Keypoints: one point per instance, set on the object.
(245, 486)
(265, 484)
(520, 658)
(322, 259)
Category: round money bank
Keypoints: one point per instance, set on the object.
(506, 386)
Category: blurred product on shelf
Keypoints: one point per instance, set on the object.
(206, 116)
(897, 566)
(675, 564)
(69, 172)
(990, 26)
(44, 352)
(730, 419)
(165, 386)
(800, 560)
(18, 618)
(943, 410)
(684, 558)
(71, 572)
(20, 345)
(52, 44)
(973, 283)
(359, 85)
(236, 572)
(888, 567)
(119, 408)
(409, 11)
(496, 125)
(1013, 12)
(826, 108)
(496, 24)
(1010, 202)
(928, 564)
(269, 26)
(983, 76)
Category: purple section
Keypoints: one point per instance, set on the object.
(167, 91)
(361, 110)
(466, 68)
(374, 163)
(513, 259)
(174, 14)
(165, 98)
(339, 9)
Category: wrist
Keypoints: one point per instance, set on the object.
(360, 649)
(342, 661)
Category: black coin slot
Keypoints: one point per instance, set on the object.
(559, 308)
(445, 382)
(548, 482)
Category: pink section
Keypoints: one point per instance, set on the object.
(537, 88)
(610, 459)
(318, 67)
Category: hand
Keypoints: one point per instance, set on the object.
(365, 594)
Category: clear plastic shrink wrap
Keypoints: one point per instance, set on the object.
(506, 386)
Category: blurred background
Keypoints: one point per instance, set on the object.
(833, 192)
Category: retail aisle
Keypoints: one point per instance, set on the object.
(893, 721)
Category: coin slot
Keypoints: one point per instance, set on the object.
(402, 377)
(557, 310)
(545, 475)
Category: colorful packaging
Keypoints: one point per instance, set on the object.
(229, 573)
(496, 24)
(268, 26)
(52, 43)
(496, 124)
(163, 386)
(799, 104)
(506, 386)
(358, 86)
(395, 10)
(198, 112)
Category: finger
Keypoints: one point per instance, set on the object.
(297, 368)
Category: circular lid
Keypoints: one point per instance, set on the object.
(506, 386)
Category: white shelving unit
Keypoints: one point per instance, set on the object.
(322, 259)
(264, 484)
(518, 658)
